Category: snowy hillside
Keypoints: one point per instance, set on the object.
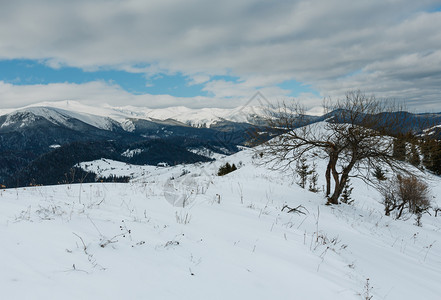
(231, 240)
(59, 117)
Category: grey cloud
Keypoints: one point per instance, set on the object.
(392, 46)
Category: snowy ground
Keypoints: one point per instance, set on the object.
(231, 241)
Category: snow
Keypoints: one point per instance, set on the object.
(107, 167)
(11, 119)
(205, 117)
(206, 152)
(128, 125)
(230, 241)
(131, 153)
(430, 130)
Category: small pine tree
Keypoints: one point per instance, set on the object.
(379, 173)
(346, 194)
(313, 179)
(303, 171)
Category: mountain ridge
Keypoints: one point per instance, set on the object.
(204, 117)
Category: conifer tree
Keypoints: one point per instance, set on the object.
(399, 148)
(303, 171)
(313, 179)
(379, 173)
(414, 158)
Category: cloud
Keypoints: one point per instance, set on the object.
(198, 79)
(91, 93)
(101, 93)
(390, 48)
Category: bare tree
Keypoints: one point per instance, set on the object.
(354, 139)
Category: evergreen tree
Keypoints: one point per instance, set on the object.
(303, 171)
(431, 150)
(414, 158)
(225, 169)
(379, 174)
(313, 179)
(346, 194)
(436, 158)
(399, 148)
(427, 153)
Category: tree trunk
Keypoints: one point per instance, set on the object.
(328, 179)
(336, 195)
(331, 168)
(340, 182)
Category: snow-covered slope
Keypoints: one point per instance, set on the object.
(230, 241)
(58, 116)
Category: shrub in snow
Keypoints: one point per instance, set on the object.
(406, 193)
(436, 210)
(367, 293)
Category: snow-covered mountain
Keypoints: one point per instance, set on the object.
(27, 116)
(102, 116)
(107, 117)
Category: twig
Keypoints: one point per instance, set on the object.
(297, 210)
(82, 241)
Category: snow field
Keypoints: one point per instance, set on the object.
(231, 241)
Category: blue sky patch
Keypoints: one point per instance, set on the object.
(297, 88)
(435, 9)
(30, 72)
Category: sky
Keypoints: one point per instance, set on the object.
(200, 53)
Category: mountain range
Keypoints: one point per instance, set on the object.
(40, 144)
(61, 134)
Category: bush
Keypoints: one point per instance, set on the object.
(225, 169)
(414, 192)
(406, 193)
